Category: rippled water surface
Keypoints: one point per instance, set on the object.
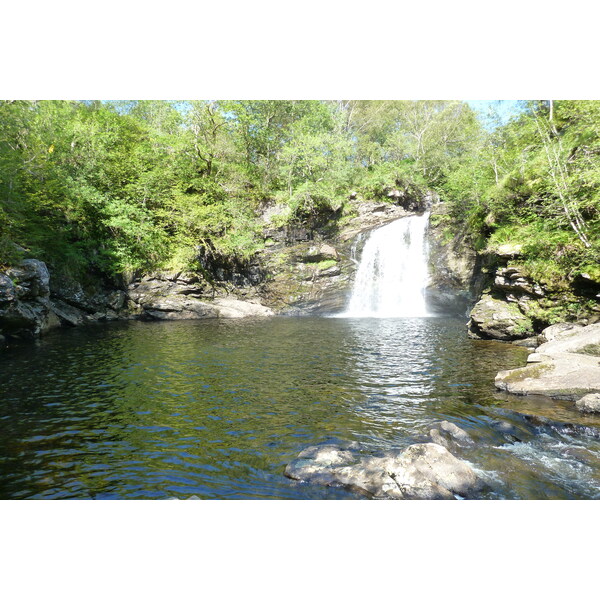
(216, 409)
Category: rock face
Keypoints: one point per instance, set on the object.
(453, 263)
(567, 366)
(24, 299)
(31, 301)
(420, 472)
(532, 305)
(307, 277)
(176, 296)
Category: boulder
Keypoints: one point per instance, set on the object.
(565, 367)
(24, 319)
(495, 318)
(173, 308)
(116, 300)
(24, 291)
(590, 403)
(421, 471)
(558, 331)
(232, 308)
(31, 279)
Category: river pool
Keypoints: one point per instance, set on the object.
(217, 408)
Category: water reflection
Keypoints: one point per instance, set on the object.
(217, 408)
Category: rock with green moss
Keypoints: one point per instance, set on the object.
(495, 318)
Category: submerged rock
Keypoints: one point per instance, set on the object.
(422, 471)
(449, 434)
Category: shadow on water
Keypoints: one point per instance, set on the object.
(216, 409)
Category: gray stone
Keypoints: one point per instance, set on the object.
(561, 369)
(24, 293)
(450, 435)
(333, 271)
(116, 300)
(509, 250)
(421, 471)
(232, 308)
(177, 308)
(7, 290)
(589, 403)
(557, 331)
(512, 281)
(530, 342)
(31, 279)
(460, 436)
(67, 314)
(24, 319)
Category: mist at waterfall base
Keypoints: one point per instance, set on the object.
(392, 275)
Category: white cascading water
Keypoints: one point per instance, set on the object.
(392, 273)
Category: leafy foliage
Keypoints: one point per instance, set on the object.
(120, 186)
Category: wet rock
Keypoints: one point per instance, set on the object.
(421, 471)
(453, 263)
(495, 318)
(590, 403)
(24, 319)
(508, 431)
(448, 434)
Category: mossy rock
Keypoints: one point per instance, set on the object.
(495, 318)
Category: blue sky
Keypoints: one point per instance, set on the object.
(505, 109)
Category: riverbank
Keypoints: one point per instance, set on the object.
(566, 365)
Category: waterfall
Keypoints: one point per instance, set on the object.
(392, 273)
